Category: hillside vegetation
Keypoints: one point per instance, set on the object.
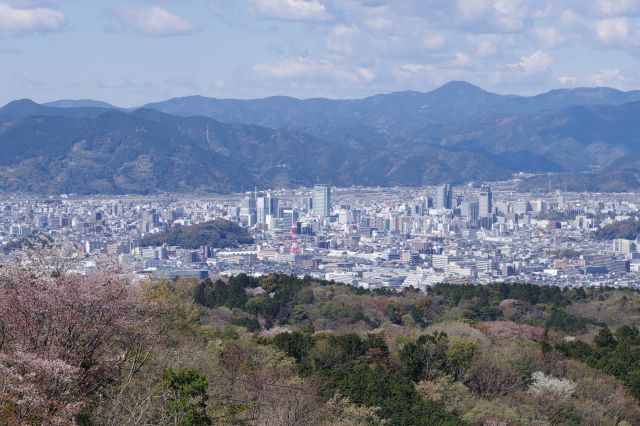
(628, 229)
(217, 233)
(281, 350)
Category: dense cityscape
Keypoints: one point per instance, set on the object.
(365, 237)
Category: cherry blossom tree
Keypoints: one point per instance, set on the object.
(64, 335)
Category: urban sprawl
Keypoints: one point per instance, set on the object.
(366, 237)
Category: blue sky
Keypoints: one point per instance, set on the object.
(133, 52)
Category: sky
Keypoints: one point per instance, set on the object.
(133, 52)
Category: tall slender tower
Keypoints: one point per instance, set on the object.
(444, 197)
(486, 202)
(322, 200)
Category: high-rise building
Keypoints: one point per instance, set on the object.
(562, 201)
(248, 212)
(262, 209)
(322, 200)
(306, 203)
(266, 206)
(486, 202)
(469, 210)
(444, 197)
(521, 207)
(272, 205)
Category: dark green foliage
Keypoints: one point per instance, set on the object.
(483, 295)
(353, 313)
(627, 334)
(459, 356)
(393, 311)
(218, 233)
(559, 319)
(395, 395)
(251, 324)
(296, 345)
(377, 346)
(283, 301)
(627, 229)
(29, 242)
(186, 397)
(211, 294)
(617, 354)
(426, 357)
(360, 370)
(604, 339)
(432, 355)
(484, 313)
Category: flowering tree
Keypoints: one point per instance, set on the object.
(548, 385)
(63, 336)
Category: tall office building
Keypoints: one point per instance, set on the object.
(469, 210)
(266, 206)
(248, 211)
(322, 200)
(444, 197)
(262, 209)
(486, 202)
(272, 205)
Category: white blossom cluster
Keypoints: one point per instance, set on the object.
(549, 385)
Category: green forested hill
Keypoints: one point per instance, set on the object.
(455, 134)
(282, 350)
(218, 233)
(505, 353)
(628, 229)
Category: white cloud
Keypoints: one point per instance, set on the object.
(537, 62)
(342, 39)
(154, 21)
(614, 7)
(484, 45)
(477, 40)
(304, 70)
(434, 42)
(415, 68)
(568, 80)
(614, 30)
(291, 10)
(461, 59)
(548, 36)
(379, 23)
(22, 21)
(606, 77)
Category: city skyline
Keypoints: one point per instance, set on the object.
(365, 237)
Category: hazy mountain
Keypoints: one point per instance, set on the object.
(457, 133)
(147, 151)
(455, 101)
(77, 103)
(27, 108)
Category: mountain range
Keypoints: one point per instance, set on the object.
(588, 138)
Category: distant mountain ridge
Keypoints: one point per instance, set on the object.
(452, 102)
(78, 103)
(456, 133)
(24, 108)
